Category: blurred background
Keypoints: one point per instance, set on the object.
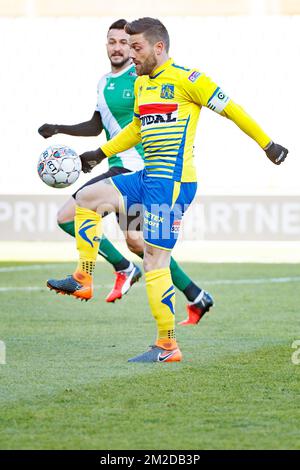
(52, 55)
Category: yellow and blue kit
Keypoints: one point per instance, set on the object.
(166, 112)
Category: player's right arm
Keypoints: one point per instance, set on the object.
(90, 128)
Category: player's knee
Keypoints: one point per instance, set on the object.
(132, 247)
(150, 262)
(135, 246)
(82, 198)
(61, 216)
(155, 258)
(94, 198)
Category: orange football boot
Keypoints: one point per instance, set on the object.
(164, 350)
(79, 284)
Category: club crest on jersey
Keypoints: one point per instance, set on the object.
(127, 93)
(158, 113)
(167, 91)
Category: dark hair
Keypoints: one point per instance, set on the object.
(119, 24)
(152, 29)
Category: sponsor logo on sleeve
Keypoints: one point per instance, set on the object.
(194, 76)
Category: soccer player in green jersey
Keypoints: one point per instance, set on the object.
(114, 110)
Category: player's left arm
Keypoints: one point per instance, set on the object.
(205, 92)
(127, 138)
(275, 152)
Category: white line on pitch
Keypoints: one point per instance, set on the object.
(263, 280)
(30, 267)
(271, 280)
(21, 289)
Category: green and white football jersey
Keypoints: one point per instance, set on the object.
(115, 104)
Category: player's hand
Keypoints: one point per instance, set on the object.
(48, 130)
(90, 159)
(276, 153)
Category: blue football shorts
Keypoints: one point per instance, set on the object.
(161, 201)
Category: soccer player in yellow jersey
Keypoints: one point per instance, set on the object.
(168, 101)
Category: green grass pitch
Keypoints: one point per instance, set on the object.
(66, 383)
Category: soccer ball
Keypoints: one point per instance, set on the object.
(59, 166)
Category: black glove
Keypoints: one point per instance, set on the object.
(90, 159)
(276, 153)
(48, 130)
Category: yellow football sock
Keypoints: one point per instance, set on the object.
(161, 296)
(88, 227)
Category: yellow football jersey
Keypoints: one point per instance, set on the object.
(166, 111)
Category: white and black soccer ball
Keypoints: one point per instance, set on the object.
(59, 166)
